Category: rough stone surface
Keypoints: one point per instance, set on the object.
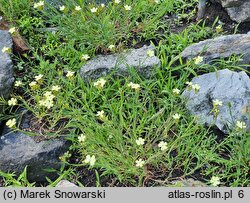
(6, 67)
(220, 47)
(137, 58)
(56, 2)
(232, 88)
(65, 183)
(238, 10)
(18, 150)
(188, 183)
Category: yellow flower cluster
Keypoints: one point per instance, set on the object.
(6, 50)
(13, 31)
(140, 141)
(47, 101)
(100, 83)
(139, 163)
(163, 146)
(194, 87)
(39, 5)
(12, 102)
(134, 86)
(11, 123)
(90, 160)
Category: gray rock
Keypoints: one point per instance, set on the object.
(188, 183)
(6, 66)
(232, 88)
(18, 150)
(238, 10)
(56, 2)
(137, 58)
(102, 1)
(220, 47)
(65, 184)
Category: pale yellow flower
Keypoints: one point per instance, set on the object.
(150, 53)
(70, 74)
(217, 102)
(85, 57)
(90, 160)
(198, 60)
(94, 10)
(176, 116)
(39, 5)
(18, 83)
(100, 114)
(33, 83)
(102, 5)
(139, 163)
(241, 125)
(12, 102)
(127, 7)
(42, 102)
(134, 86)
(215, 181)
(62, 8)
(48, 103)
(219, 28)
(49, 95)
(6, 50)
(55, 88)
(78, 8)
(156, 1)
(111, 47)
(196, 87)
(38, 77)
(81, 138)
(140, 141)
(163, 146)
(176, 91)
(12, 30)
(11, 123)
(100, 83)
(189, 83)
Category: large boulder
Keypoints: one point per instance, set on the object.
(220, 47)
(6, 66)
(18, 150)
(238, 10)
(231, 88)
(136, 58)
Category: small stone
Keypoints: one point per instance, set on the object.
(65, 184)
(188, 183)
(137, 58)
